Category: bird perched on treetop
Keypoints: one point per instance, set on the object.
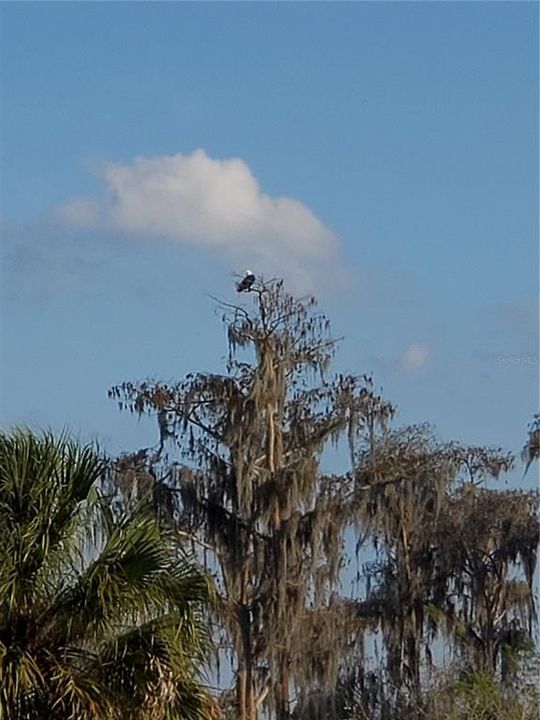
(246, 283)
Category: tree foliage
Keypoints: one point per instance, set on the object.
(238, 467)
(101, 615)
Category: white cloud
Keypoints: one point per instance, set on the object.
(203, 202)
(414, 357)
(80, 212)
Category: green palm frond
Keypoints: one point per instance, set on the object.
(101, 616)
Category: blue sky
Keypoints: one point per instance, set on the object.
(385, 154)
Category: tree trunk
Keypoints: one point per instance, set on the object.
(245, 690)
(241, 694)
(245, 695)
(282, 704)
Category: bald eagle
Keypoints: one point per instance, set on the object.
(246, 282)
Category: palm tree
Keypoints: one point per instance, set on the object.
(101, 613)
